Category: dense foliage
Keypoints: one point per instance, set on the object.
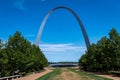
(104, 55)
(19, 55)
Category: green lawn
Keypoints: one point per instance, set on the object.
(50, 75)
(89, 75)
(83, 75)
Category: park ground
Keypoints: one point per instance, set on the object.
(35, 75)
(66, 74)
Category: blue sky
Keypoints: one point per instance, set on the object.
(62, 39)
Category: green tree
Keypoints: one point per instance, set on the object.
(115, 38)
(3, 60)
(19, 55)
(23, 56)
(103, 56)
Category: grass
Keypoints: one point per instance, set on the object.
(50, 75)
(84, 75)
(89, 75)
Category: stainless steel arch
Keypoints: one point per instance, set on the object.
(78, 19)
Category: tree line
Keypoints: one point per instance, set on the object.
(104, 55)
(18, 55)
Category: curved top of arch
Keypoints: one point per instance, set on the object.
(75, 15)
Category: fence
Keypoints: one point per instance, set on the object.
(11, 77)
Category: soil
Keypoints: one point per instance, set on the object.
(106, 76)
(35, 75)
(65, 75)
(110, 76)
(69, 75)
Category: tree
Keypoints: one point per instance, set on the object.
(3, 60)
(103, 56)
(115, 39)
(19, 55)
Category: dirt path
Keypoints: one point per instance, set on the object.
(110, 76)
(35, 76)
(69, 75)
(65, 75)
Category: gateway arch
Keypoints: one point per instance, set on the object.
(75, 15)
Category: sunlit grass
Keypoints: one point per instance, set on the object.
(89, 75)
(84, 75)
(50, 75)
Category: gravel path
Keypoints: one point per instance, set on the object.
(35, 75)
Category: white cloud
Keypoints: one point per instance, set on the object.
(54, 48)
(62, 52)
(20, 5)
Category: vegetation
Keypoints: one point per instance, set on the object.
(68, 62)
(18, 55)
(70, 74)
(65, 62)
(104, 55)
(89, 75)
(50, 75)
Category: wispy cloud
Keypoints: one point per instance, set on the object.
(20, 4)
(62, 48)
